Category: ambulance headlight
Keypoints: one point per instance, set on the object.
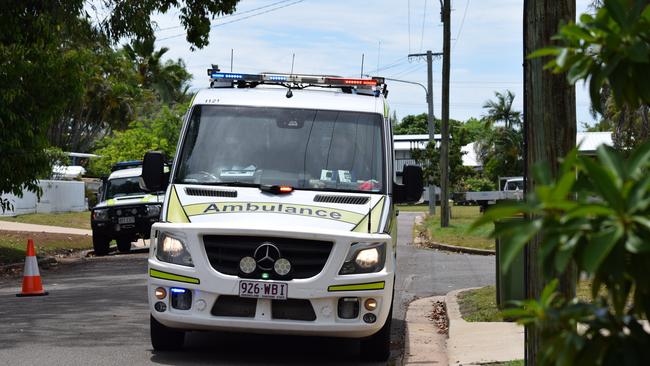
(364, 258)
(172, 250)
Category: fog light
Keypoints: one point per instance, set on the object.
(160, 293)
(282, 267)
(247, 265)
(370, 304)
(160, 306)
(369, 318)
(181, 298)
(348, 307)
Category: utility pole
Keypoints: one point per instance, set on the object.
(549, 129)
(444, 144)
(430, 123)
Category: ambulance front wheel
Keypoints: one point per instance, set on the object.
(376, 348)
(164, 338)
(100, 244)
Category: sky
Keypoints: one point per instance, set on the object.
(330, 37)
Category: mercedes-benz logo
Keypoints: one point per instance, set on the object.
(265, 255)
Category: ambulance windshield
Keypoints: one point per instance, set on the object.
(302, 148)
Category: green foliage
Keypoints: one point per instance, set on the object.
(42, 75)
(429, 158)
(502, 153)
(170, 80)
(159, 132)
(412, 125)
(611, 48)
(598, 219)
(474, 184)
(500, 148)
(501, 110)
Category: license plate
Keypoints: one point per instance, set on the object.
(263, 290)
(126, 220)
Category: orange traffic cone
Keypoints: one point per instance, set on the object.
(32, 285)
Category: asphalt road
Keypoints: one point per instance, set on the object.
(97, 314)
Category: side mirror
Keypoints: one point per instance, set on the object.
(153, 178)
(411, 189)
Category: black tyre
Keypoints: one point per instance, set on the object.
(124, 245)
(376, 348)
(100, 245)
(164, 338)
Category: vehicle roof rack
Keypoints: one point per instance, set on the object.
(374, 86)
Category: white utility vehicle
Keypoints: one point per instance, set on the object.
(125, 212)
(279, 212)
(513, 189)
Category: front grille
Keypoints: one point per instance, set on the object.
(293, 309)
(307, 257)
(234, 306)
(210, 192)
(350, 200)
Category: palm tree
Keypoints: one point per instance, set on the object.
(501, 110)
(169, 79)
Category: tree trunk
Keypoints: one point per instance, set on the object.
(549, 127)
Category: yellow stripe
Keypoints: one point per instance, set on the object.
(362, 226)
(357, 287)
(173, 277)
(175, 212)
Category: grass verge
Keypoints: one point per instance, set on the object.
(458, 233)
(78, 220)
(413, 208)
(480, 305)
(14, 243)
(507, 363)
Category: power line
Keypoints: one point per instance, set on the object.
(238, 19)
(235, 14)
(462, 22)
(424, 18)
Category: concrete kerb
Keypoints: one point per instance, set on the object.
(424, 345)
(472, 343)
(426, 242)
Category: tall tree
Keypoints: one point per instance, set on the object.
(38, 81)
(550, 129)
(170, 79)
(500, 110)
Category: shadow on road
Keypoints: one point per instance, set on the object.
(255, 349)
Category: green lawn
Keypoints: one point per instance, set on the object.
(413, 208)
(507, 363)
(480, 305)
(14, 243)
(458, 233)
(79, 220)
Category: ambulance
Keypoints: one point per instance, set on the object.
(279, 215)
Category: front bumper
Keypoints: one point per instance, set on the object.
(322, 291)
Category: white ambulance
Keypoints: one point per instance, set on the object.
(279, 212)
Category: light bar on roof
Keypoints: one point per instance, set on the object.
(295, 80)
